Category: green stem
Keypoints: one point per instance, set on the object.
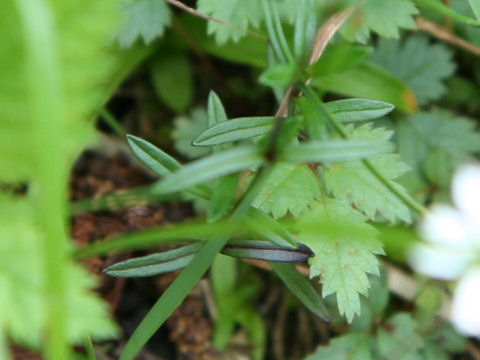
(112, 122)
(407, 199)
(190, 276)
(444, 10)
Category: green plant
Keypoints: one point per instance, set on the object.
(318, 180)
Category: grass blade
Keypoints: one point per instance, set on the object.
(151, 237)
(173, 296)
(301, 288)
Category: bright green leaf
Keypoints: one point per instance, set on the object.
(345, 248)
(423, 66)
(355, 183)
(145, 19)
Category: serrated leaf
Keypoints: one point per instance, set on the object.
(421, 134)
(354, 182)
(186, 129)
(384, 17)
(289, 188)
(398, 339)
(240, 13)
(353, 346)
(423, 66)
(345, 248)
(145, 19)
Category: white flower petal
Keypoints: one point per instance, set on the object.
(439, 262)
(466, 192)
(445, 225)
(465, 313)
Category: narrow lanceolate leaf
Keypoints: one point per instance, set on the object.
(334, 150)
(352, 110)
(215, 110)
(264, 250)
(234, 130)
(345, 248)
(152, 157)
(353, 182)
(155, 264)
(209, 168)
(301, 288)
(289, 188)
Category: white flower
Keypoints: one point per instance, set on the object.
(453, 248)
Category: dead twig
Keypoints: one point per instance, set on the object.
(199, 14)
(323, 37)
(446, 35)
